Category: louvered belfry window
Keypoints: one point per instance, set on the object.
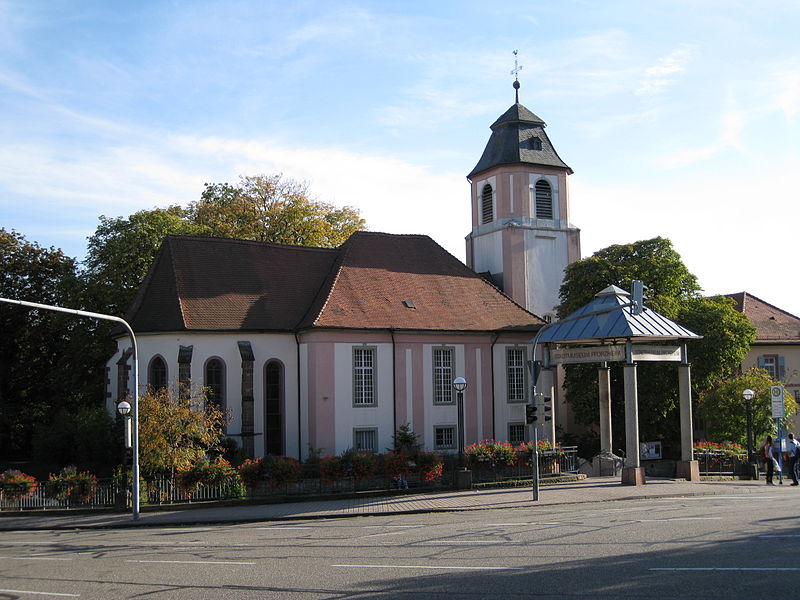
(544, 200)
(487, 213)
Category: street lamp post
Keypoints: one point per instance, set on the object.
(460, 384)
(748, 396)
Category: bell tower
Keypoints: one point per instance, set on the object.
(521, 233)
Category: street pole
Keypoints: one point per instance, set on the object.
(134, 370)
(460, 395)
(535, 465)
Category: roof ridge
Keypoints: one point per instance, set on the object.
(746, 294)
(336, 268)
(204, 238)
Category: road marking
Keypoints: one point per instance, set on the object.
(392, 526)
(273, 528)
(675, 519)
(724, 569)
(191, 562)
(40, 593)
(429, 567)
(31, 558)
(526, 523)
(788, 535)
(371, 535)
(464, 542)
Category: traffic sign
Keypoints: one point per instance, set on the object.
(776, 395)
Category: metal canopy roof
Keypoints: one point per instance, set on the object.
(616, 324)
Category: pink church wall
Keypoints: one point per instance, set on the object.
(321, 411)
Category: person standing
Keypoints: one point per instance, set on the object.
(794, 454)
(766, 454)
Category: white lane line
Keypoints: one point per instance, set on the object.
(463, 542)
(674, 519)
(39, 593)
(185, 529)
(31, 558)
(371, 535)
(712, 497)
(724, 569)
(191, 562)
(392, 526)
(431, 567)
(274, 528)
(793, 535)
(525, 523)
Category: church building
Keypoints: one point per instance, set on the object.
(317, 349)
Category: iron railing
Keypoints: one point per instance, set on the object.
(720, 463)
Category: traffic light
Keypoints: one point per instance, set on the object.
(546, 407)
(530, 414)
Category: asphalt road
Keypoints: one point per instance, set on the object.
(699, 547)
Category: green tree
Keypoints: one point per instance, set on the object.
(271, 208)
(36, 379)
(674, 292)
(121, 250)
(722, 408)
(177, 430)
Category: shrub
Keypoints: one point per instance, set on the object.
(490, 453)
(396, 464)
(281, 470)
(726, 448)
(351, 464)
(331, 468)
(15, 484)
(211, 472)
(429, 465)
(250, 472)
(71, 485)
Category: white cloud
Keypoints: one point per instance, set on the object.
(789, 97)
(659, 76)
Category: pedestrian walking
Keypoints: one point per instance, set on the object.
(769, 459)
(794, 454)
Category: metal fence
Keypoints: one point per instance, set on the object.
(164, 490)
(720, 463)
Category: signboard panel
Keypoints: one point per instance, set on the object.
(778, 408)
(587, 354)
(656, 353)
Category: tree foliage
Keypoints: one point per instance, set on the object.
(35, 377)
(177, 430)
(722, 407)
(675, 293)
(271, 208)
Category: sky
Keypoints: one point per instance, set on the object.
(679, 118)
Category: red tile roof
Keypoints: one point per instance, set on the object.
(372, 281)
(773, 325)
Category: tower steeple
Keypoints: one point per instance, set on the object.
(521, 233)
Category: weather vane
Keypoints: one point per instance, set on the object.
(515, 72)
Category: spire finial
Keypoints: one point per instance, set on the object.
(515, 72)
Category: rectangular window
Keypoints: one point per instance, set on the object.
(444, 437)
(363, 376)
(365, 440)
(515, 374)
(442, 375)
(516, 433)
(774, 365)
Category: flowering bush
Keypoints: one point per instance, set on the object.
(211, 472)
(358, 465)
(281, 470)
(71, 485)
(16, 484)
(726, 448)
(491, 452)
(429, 465)
(250, 472)
(331, 468)
(396, 463)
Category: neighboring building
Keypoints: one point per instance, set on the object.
(776, 348)
(332, 349)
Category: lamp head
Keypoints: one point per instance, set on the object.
(124, 408)
(460, 384)
(748, 394)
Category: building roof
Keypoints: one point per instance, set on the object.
(511, 142)
(372, 281)
(606, 319)
(773, 325)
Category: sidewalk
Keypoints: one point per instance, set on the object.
(597, 489)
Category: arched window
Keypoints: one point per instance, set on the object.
(273, 408)
(157, 373)
(544, 200)
(487, 212)
(215, 382)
